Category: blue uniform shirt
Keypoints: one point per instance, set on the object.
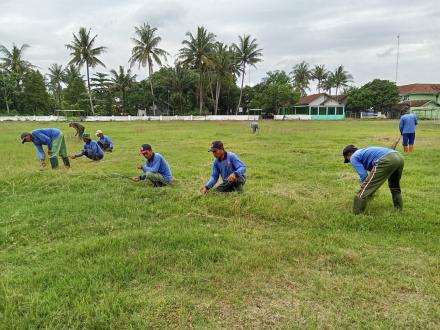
(44, 136)
(408, 123)
(364, 160)
(91, 148)
(230, 164)
(106, 141)
(158, 164)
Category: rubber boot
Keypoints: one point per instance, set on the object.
(405, 149)
(66, 162)
(397, 200)
(410, 148)
(359, 205)
(54, 162)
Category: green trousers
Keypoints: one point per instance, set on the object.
(389, 167)
(59, 147)
(156, 179)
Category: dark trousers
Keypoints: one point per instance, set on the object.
(93, 156)
(105, 147)
(227, 186)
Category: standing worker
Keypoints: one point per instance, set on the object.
(156, 169)
(78, 128)
(383, 164)
(56, 145)
(91, 149)
(104, 141)
(408, 123)
(229, 166)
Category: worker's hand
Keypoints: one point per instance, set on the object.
(136, 179)
(140, 167)
(232, 178)
(49, 152)
(204, 190)
(72, 157)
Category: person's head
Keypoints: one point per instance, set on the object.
(86, 138)
(26, 137)
(217, 149)
(99, 133)
(146, 151)
(404, 110)
(348, 152)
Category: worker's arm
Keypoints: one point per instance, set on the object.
(240, 167)
(214, 177)
(359, 167)
(41, 154)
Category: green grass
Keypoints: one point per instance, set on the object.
(81, 249)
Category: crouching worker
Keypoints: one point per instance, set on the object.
(229, 166)
(383, 164)
(156, 170)
(56, 145)
(104, 141)
(91, 149)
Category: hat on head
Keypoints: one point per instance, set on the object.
(23, 136)
(98, 132)
(145, 147)
(216, 145)
(86, 136)
(350, 149)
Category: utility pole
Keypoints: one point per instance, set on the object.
(397, 60)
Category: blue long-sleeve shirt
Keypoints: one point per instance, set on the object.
(408, 123)
(91, 148)
(158, 164)
(106, 141)
(364, 160)
(230, 164)
(44, 136)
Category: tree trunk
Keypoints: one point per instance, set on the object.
(88, 87)
(217, 95)
(241, 90)
(150, 71)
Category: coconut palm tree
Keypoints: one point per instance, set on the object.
(121, 81)
(196, 54)
(246, 53)
(71, 73)
(301, 76)
(55, 75)
(83, 53)
(13, 61)
(319, 73)
(341, 78)
(146, 52)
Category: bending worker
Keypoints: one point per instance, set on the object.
(78, 128)
(229, 166)
(383, 164)
(104, 141)
(156, 170)
(91, 149)
(56, 145)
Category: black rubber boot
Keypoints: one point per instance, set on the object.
(66, 162)
(54, 162)
(397, 200)
(359, 205)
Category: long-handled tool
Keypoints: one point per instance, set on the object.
(394, 145)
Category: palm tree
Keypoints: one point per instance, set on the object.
(301, 76)
(247, 53)
(71, 73)
(55, 75)
(82, 52)
(146, 52)
(341, 78)
(121, 81)
(328, 83)
(319, 73)
(13, 61)
(196, 54)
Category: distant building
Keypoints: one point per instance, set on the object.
(423, 99)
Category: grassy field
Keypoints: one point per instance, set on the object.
(84, 249)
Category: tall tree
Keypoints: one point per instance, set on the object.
(34, 98)
(101, 83)
(7, 87)
(301, 76)
(83, 52)
(55, 75)
(247, 53)
(13, 61)
(121, 81)
(341, 78)
(196, 54)
(70, 73)
(319, 73)
(146, 52)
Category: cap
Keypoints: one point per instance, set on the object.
(98, 132)
(216, 145)
(86, 136)
(145, 147)
(349, 149)
(23, 136)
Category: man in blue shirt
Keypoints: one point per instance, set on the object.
(229, 167)
(91, 149)
(156, 170)
(56, 145)
(407, 126)
(383, 164)
(104, 141)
